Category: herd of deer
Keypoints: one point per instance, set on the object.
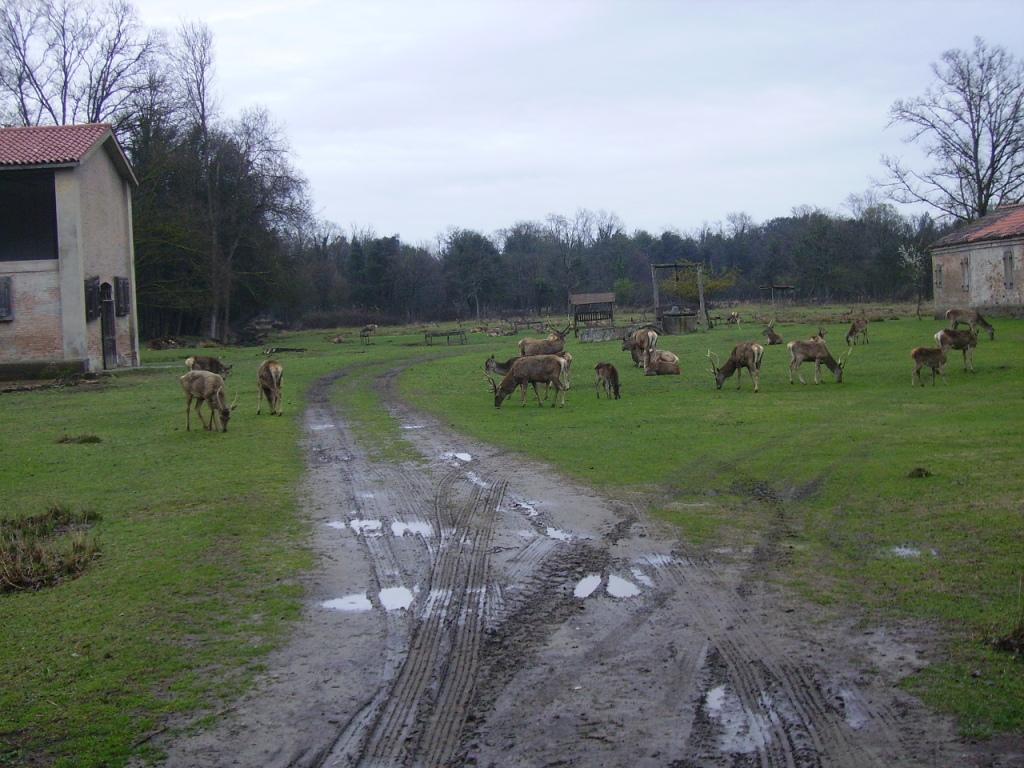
(204, 383)
(545, 361)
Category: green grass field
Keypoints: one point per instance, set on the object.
(202, 540)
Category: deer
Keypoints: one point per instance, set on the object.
(638, 343)
(552, 345)
(733, 319)
(965, 341)
(493, 366)
(815, 349)
(661, 362)
(930, 357)
(859, 327)
(747, 355)
(268, 383)
(607, 377)
(206, 387)
(531, 369)
(772, 334)
(972, 319)
(206, 363)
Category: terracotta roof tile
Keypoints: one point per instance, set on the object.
(49, 144)
(1004, 222)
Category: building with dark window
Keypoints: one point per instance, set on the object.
(67, 274)
(979, 265)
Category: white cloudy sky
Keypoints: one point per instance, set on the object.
(410, 117)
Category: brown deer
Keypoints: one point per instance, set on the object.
(607, 377)
(206, 387)
(531, 369)
(858, 328)
(552, 345)
(206, 363)
(815, 349)
(661, 362)
(930, 357)
(965, 341)
(268, 382)
(747, 355)
(972, 319)
(733, 319)
(638, 343)
(772, 334)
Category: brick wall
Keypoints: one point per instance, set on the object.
(35, 331)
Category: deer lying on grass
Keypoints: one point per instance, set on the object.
(930, 357)
(531, 369)
(747, 355)
(661, 362)
(859, 327)
(639, 343)
(608, 379)
(815, 349)
(972, 319)
(206, 363)
(552, 345)
(773, 336)
(206, 387)
(965, 341)
(268, 381)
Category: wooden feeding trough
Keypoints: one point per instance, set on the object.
(587, 308)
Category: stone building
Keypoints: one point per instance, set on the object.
(67, 274)
(979, 265)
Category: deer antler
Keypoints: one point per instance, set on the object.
(713, 359)
(234, 403)
(494, 387)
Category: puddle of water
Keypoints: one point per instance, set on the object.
(620, 587)
(395, 598)
(658, 560)
(449, 455)
(855, 715)
(742, 731)
(476, 480)
(412, 426)
(365, 495)
(340, 525)
(642, 577)
(320, 427)
(906, 551)
(413, 527)
(366, 527)
(554, 533)
(356, 602)
(586, 586)
(526, 507)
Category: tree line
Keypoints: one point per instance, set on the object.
(224, 229)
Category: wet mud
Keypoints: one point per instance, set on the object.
(476, 608)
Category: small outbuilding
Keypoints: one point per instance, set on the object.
(67, 273)
(979, 265)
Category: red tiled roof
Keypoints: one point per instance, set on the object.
(1004, 222)
(49, 144)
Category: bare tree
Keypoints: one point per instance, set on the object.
(64, 61)
(971, 126)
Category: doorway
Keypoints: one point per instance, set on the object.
(108, 330)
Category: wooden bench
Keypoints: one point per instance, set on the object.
(458, 334)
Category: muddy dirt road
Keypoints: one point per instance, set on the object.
(478, 609)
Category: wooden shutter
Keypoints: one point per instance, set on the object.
(6, 299)
(92, 298)
(122, 296)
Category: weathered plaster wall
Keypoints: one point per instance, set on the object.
(986, 289)
(35, 333)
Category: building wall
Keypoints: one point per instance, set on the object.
(983, 285)
(106, 247)
(35, 332)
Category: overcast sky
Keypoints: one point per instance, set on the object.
(412, 117)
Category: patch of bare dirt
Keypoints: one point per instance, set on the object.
(478, 609)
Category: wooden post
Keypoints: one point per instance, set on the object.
(654, 285)
(700, 295)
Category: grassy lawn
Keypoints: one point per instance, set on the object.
(825, 466)
(200, 549)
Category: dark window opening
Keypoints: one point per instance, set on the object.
(6, 299)
(122, 296)
(1008, 270)
(92, 298)
(28, 216)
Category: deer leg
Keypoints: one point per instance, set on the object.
(536, 394)
(817, 373)
(199, 412)
(597, 387)
(188, 414)
(522, 392)
(259, 399)
(756, 376)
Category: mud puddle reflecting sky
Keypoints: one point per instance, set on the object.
(741, 731)
(620, 587)
(586, 586)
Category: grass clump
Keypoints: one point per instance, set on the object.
(44, 550)
(80, 439)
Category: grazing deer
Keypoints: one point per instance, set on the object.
(639, 343)
(552, 345)
(859, 327)
(820, 335)
(608, 379)
(815, 349)
(965, 341)
(931, 357)
(531, 369)
(268, 382)
(772, 334)
(747, 355)
(972, 319)
(566, 369)
(661, 362)
(206, 363)
(206, 387)
(733, 319)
